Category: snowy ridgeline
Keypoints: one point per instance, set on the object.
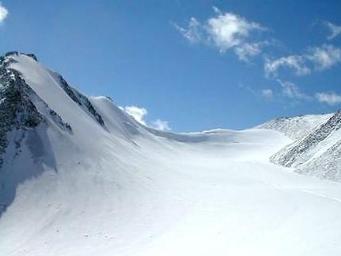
(79, 176)
(316, 149)
(296, 127)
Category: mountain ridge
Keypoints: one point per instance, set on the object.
(311, 153)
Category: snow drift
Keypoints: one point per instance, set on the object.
(81, 177)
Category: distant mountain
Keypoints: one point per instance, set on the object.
(316, 149)
(296, 127)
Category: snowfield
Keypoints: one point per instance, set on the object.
(120, 188)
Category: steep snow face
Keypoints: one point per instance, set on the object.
(302, 150)
(296, 127)
(24, 120)
(316, 153)
(44, 119)
(326, 164)
(316, 146)
(114, 187)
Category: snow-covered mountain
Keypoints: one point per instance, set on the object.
(79, 176)
(296, 127)
(316, 149)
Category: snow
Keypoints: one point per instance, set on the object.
(296, 127)
(125, 189)
(317, 153)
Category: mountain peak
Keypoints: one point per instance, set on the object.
(17, 111)
(16, 53)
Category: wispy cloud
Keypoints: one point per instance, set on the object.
(334, 30)
(225, 31)
(193, 32)
(248, 50)
(324, 57)
(329, 98)
(314, 59)
(140, 113)
(3, 13)
(160, 125)
(290, 90)
(294, 62)
(267, 94)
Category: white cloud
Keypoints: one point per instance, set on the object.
(248, 50)
(315, 58)
(334, 30)
(267, 93)
(324, 57)
(3, 13)
(228, 30)
(225, 31)
(290, 90)
(161, 125)
(139, 114)
(329, 98)
(295, 62)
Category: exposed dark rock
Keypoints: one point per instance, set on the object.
(81, 100)
(16, 53)
(32, 56)
(59, 121)
(11, 53)
(16, 109)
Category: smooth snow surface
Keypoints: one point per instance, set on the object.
(125, 189)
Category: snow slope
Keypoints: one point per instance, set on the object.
(87, 179)
(318, 152)
(296, 127)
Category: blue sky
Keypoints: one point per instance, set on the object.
(195, 64)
